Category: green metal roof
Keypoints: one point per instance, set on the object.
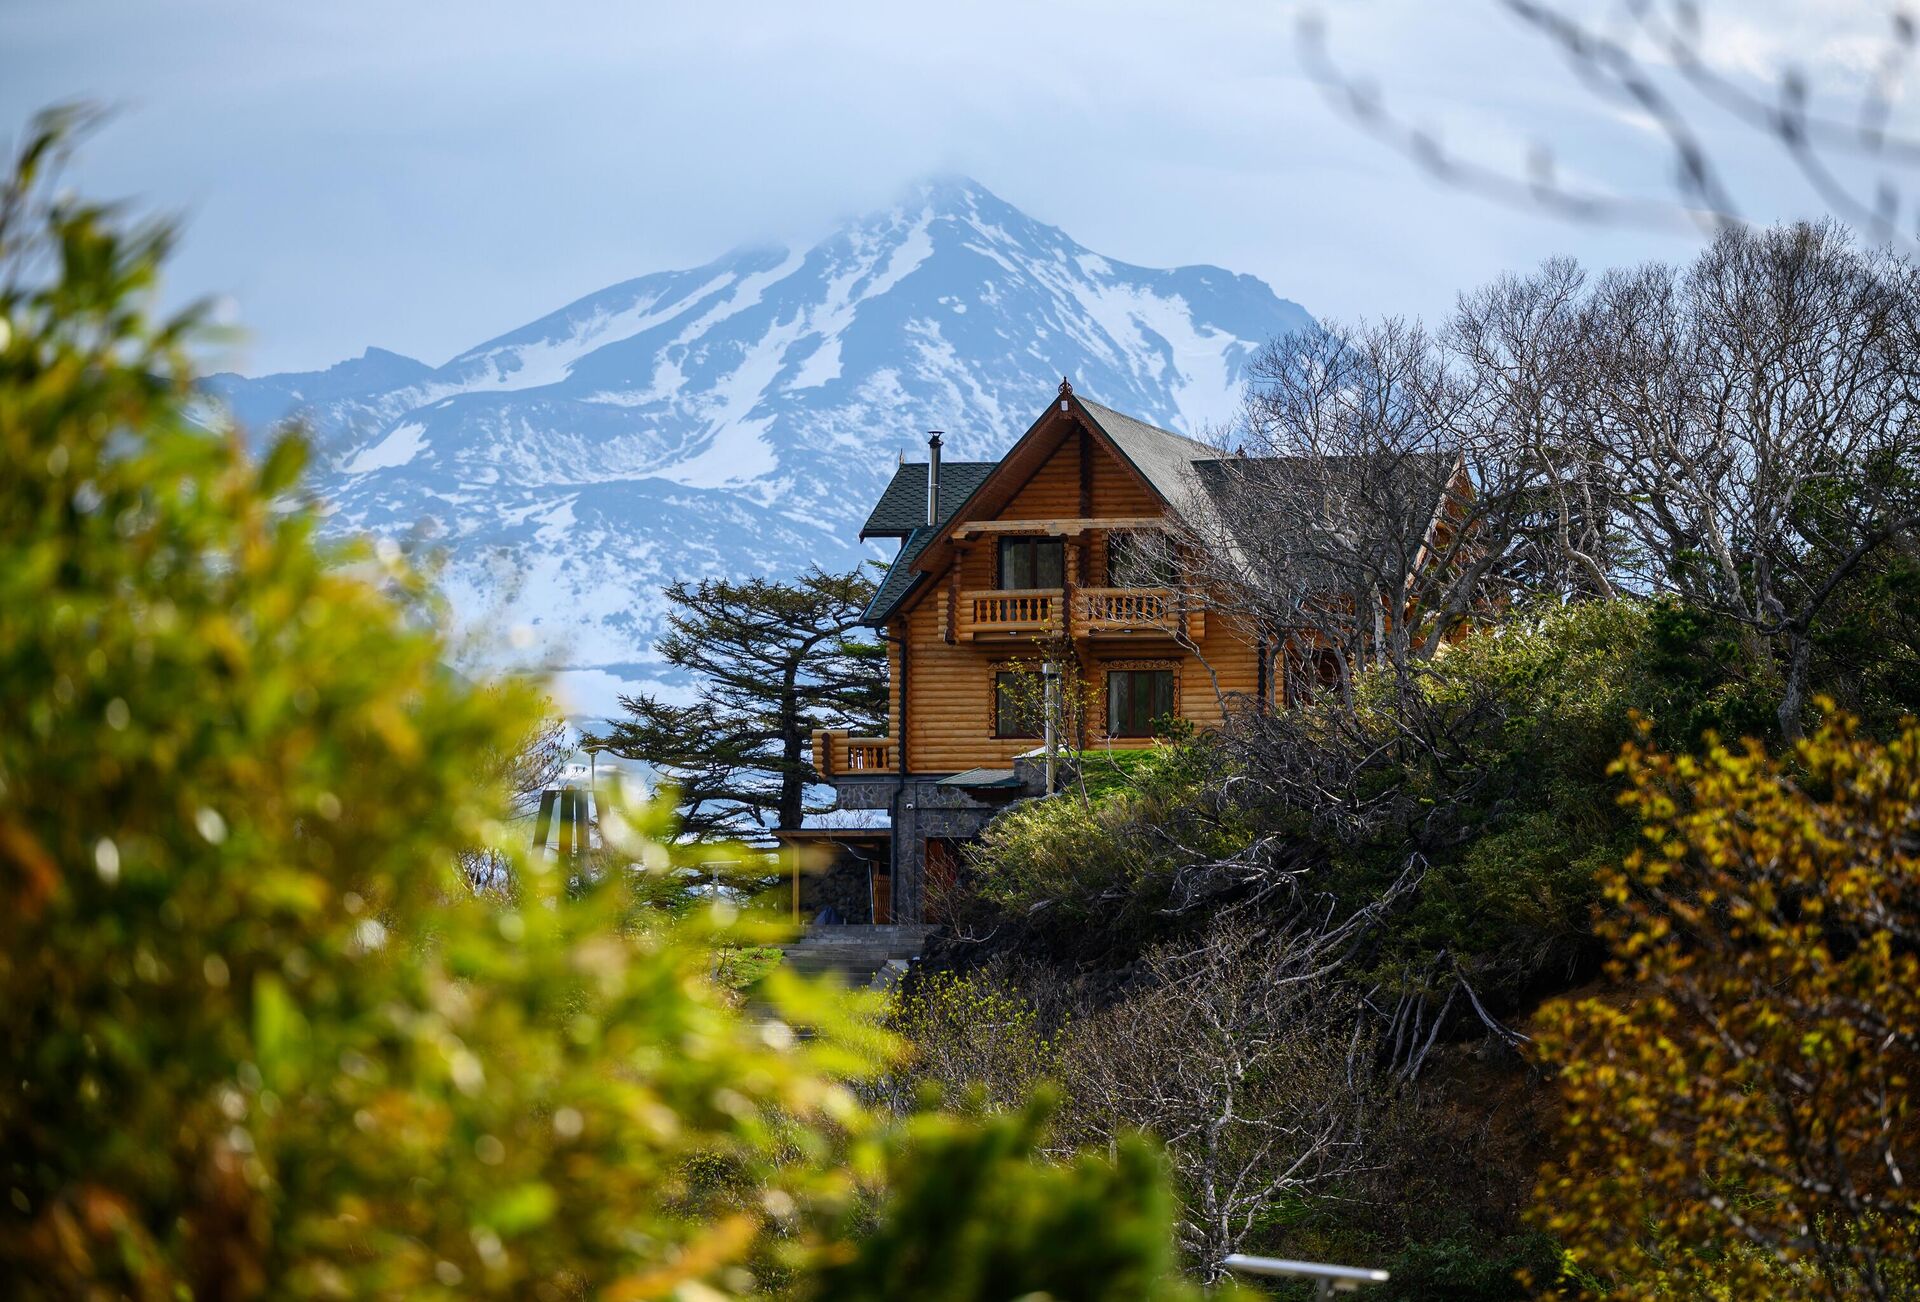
(978, 779)
(900, 579)
(903, 507)
(902, 513)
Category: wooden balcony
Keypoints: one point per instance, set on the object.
(1096, 612)
(1135, 612)
(1012, 612)
(838, 755)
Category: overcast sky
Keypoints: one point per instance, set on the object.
(422, 176)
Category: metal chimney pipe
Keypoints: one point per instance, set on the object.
(933, 479)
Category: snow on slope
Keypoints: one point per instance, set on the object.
(741, 417)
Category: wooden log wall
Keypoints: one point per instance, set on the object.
(950, 716)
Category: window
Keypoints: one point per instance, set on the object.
(1019, 704)
(1137, 699)
(1310, 673)
(1141, 560)
(1032, 563)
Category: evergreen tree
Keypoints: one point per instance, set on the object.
(775, 661)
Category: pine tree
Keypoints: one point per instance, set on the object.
(774, 662)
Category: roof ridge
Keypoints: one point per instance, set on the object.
(1147, 424)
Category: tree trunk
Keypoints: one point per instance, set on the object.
(1793, 694)
(793, 782)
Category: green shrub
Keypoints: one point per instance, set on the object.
(1509, 807)
(978, 1214)
(1107, 855)
(976, 1041)
(260, 1034)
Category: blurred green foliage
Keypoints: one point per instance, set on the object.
(261, 1037)
(977, 1213)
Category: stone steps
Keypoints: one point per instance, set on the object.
(863, 957)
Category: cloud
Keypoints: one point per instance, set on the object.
(427, 175)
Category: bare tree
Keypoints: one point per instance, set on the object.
(1391, 485)
(1758, 412)
(1319, 520)
(1739, 432)
(1660, 60)
(1243, 1058)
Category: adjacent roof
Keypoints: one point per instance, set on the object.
(903, 507)
(1414, 489)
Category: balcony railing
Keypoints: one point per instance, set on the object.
(1020, 612)
(838, 755)
(1135, 611)
(1097, 612)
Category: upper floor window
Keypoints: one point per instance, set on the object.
(1032, 563)
(1137, 700)
(1019, 704)
(1141, 560)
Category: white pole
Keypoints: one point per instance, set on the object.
(1050, 676)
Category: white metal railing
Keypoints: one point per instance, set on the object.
(1328, 1280)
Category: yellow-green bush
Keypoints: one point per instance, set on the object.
(976, 1040)
(260, 1038)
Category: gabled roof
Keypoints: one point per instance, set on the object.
(1164, 459)
(900, 579)
(1188, 475)
(903, 507)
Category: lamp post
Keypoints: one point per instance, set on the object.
(1050, 704)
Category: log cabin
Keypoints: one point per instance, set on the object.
(1048, 587)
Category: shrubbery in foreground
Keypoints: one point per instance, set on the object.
(1740, 1118)
(260, 1036)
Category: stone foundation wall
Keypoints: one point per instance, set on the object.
(922, 807)
(844, 885)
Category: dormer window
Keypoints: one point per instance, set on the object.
(1032, 563)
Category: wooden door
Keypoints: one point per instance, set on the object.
(940, 879)
(881, 883)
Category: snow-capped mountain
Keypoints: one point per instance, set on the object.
(740, 418)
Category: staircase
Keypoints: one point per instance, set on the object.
(863, 956)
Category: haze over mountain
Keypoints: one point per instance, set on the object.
(741, 417)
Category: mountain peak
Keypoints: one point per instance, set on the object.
(952, 192)
(739, 417)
